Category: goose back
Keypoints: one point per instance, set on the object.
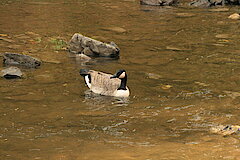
(102, 84)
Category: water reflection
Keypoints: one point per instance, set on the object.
(183, 67)
(96, 100)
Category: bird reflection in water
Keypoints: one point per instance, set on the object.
(94, 99)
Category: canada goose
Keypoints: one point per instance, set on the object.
(106, 84)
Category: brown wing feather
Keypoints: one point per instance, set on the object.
(102, 84)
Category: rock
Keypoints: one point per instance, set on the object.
(87, 51)
(209, 3)
(166, 87)
(82, 57)
(225, 130)
(232, 94)
(158, 2)
(234, 16)
(20, 59)
(200, 3)
(217, 2)
(79, 43)
(11, 72)
(114, 44)
(153, 76)
(45, 78)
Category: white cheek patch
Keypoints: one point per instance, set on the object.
(122, 75)
(87, 80)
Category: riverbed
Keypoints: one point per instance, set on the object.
(183, 67)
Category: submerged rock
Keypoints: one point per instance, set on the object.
(11, 72)
(226, 130)
(20, 59)
(82, 57)
(45, 78)
(153, 76)
(158, 2)
(91, 47)
(234, 16)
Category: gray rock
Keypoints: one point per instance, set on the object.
(209, 3)
(200, 3)
(11, 72)
(20, 59)
(87, 51)
(91, 47)
(158, 2)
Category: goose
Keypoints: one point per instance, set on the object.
(106, 84)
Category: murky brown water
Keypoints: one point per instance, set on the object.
(184, 76)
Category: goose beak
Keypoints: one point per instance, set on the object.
(113, 76)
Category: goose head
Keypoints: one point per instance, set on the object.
(121, 74)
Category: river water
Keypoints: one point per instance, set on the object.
(183, 67)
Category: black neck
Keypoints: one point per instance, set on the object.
(123, 83)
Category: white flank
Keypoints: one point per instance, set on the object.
(121, 93)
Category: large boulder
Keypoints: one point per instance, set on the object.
(91, 47)
(20, 59)
(158, 2)
(11, 72)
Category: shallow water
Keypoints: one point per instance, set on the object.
(183, 66)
